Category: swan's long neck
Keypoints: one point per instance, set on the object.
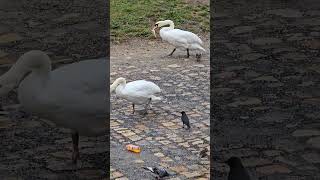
(171, 25)
(113, 87)
(36, 62)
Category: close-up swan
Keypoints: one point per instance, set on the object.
(180, 39)
(72, 96)
(137, 92)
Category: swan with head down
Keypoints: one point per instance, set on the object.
(72, 96)
(180, 39)
(137, 92)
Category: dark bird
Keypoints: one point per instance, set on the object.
(237, 170)
(203, 153)
(185, 120)
(160, 171)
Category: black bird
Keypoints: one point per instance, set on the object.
(237, 170)
(161, 172)
(185, 120)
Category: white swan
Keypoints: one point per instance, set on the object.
(73, 96)
(181, 39)
(137, 92)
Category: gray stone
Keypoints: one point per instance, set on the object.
(285, 49)
(295, 56)
(286, 161)
(297, 37)
(252, 56)
(222, 91)
(307, 22)
(236, 68)
(315, 34)
(312, 13)
(242, 29)
(266, 79)
(3, 54)
(253, 162)
(244, 49)
(275, 116)
(306, 133)
(225, 75)
(272, 153)
(288, 13)
(265, 41)
(314, 142)
(68, 17)
(94, 150)
(54, 165)
(312, 157)
(10, 38)
(248, 101)
(226, 23)
(251, 74)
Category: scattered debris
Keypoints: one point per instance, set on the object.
(133, 148)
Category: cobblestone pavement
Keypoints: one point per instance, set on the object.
(266, 88)
(185, 87)
(32, 148)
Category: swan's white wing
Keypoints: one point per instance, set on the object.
(83, 82)
(74, 97)
(181, 36)
(142, 88)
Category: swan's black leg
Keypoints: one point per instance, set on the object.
(188, 55)
(172, 52)
(75, 141)
(133, 108)
(147, 106)
(198, 56)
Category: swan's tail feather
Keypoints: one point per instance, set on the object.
(155, 98)
(199, 47)
(202, 49)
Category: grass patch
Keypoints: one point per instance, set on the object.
(135, 18)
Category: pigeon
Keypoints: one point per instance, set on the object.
(185, 120)
(237, 170)
(161, 172)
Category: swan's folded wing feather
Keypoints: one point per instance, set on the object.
(142, 87)
(81, 88)
(182, 36)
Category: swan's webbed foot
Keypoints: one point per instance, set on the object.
(75, 153)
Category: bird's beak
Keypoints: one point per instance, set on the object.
(154, 31)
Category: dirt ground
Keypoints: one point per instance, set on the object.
(68, 31)
(185, 87)
(265, 100)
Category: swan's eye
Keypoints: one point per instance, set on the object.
(156, 25)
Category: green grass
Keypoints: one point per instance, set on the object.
(135, 18)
